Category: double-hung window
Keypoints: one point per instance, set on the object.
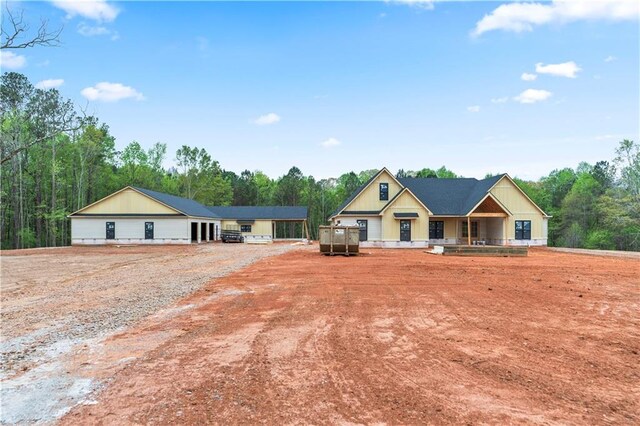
(384, 191)
(523, 229)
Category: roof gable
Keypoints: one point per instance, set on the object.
(375, 206)
(128, 200)
(404, 193)
(495, 190)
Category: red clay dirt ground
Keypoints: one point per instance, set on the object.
(391, 336)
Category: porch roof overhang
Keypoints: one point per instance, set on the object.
(405, 215)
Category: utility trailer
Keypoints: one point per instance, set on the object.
(231, 236)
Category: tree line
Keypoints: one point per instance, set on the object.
(54, 160)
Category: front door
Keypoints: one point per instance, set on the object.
(405, 230)
(148, 230)
(363, 224)
(111, 230)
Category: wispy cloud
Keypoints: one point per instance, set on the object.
(50, 83)
(531, 96)
(565, 69)
(265, 120)
(473, 108)
(519, 17)
(422, 4)
(610, 58)
(12, 61)
(502, 100)
(97, 10)
(330, 143)
(96, 30)
(608, 137)
(528, 77)
(111, 92)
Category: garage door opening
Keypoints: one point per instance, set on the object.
(194, 231)
(203, 232)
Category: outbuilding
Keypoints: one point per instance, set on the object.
(140, 216)
(264, 223)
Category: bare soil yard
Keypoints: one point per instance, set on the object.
(392, 336)
(56, 302)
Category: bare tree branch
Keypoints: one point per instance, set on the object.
(14, 29)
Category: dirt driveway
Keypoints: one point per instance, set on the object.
(392, 336)
(56, 302)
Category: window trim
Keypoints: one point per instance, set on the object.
(474, 229)
(523, 231)
(384, 194)
(153, 230)
(106, 235)
(435, 237)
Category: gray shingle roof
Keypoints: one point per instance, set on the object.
(260, 212)
(450, 196)
(455, 197)
(184, 205)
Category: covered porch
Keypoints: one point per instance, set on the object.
(485, 224)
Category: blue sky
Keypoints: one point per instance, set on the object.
(337, 86)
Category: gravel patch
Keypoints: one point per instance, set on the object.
(82, 295)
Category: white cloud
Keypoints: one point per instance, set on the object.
(50, 83)
(330, 143)
(91, 31)
(531, 96)
(502, 100)
(565, 69)
(528, 77)
(267, 119)
(97, 10)
(519, 17)
(610, 58)
(473, 108)
(111, 92)
(422, 4)
(11, 61)
(98, 30)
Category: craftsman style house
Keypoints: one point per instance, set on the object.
(417, 212)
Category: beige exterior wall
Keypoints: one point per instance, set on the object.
(128, 202)
(405, 203)
(369, 198)
(259, 227)
(521, 209)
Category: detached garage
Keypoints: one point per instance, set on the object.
(141, 216)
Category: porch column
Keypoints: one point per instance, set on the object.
(199, 232)
(208, 231)
(468, 230)
(504, 231)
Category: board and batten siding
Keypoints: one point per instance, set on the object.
(258, 227)
(374, 225)
(521, 209)
(369, 198)
(92, 230)
(128, 201)
(405, 203)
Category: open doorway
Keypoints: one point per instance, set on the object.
(194, 231)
